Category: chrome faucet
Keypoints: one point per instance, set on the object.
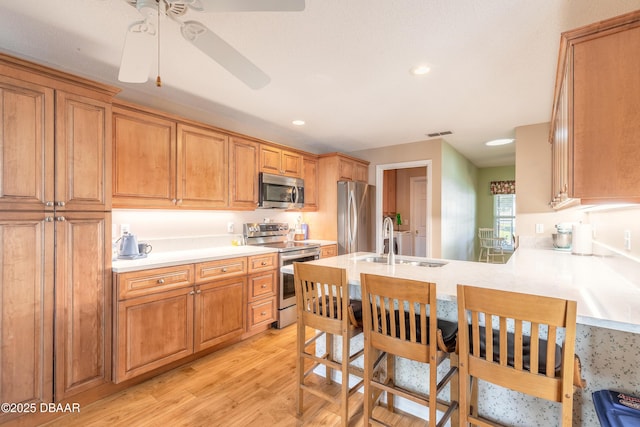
(387, 225)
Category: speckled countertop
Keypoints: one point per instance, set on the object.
(606, 297)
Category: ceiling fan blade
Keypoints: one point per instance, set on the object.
(248, 5)
(137, 53)
(224, 54)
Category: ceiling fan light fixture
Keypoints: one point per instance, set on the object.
(501, 141)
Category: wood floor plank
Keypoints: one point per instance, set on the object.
(251, 383)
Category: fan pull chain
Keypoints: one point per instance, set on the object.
(158, 80)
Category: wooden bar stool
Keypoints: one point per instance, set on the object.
(513, 340)
(322, 295)
(399, 320)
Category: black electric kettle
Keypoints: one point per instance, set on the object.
(129, 247)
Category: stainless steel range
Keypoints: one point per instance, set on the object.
(275, 235)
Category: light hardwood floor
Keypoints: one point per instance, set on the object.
(250, 383)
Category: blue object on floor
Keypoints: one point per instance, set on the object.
(616, 409)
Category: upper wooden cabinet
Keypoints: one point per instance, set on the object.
(311, 188)
(144, 160)
(280, 162)
(83, 153)
(203, 168)
(350, 169)
(595, 132)
(27, 141)
(243, 173)
(389, 191)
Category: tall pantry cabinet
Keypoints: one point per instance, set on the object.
(55, 229)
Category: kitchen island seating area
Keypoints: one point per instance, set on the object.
(323, 304)
(399, 321)
(511, 339)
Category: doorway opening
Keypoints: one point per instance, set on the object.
(417, 218)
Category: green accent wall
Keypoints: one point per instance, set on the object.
(485, 199)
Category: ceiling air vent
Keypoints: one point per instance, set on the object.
(443, 133)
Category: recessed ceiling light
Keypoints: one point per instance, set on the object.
(503, 141)
(298, 122)
(420, 70)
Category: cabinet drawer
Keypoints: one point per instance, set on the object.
(145, 282)
(207, 271)
(262, 312)
(263, 262)
(262, 285)
(328, 251)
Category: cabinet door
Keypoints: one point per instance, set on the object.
(153, 331)
(144, 160)
(203, 168)
(270, 159)
(361, 172)
(389, 191)
(606, 113)
(310, 176)
(83, 293)
(328, 251)
(291, 164)
(346, 170)
(220, 311)
(83, 153)
(26, 145)
(243, 174)
(26, 318)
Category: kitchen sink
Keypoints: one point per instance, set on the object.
(406, 261)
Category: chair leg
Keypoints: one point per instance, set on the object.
(344, 389)
(300, 367)
(391, 365)
(329, 352)
(369, 356)
(474, 397)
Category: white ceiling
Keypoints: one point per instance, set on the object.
(340, 65)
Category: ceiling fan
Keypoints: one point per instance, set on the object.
(141, 38)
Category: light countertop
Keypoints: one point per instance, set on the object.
(167, 259)
(606, 298)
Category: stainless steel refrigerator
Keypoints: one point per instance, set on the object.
(356, 219)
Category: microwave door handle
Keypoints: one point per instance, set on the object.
(294, 194)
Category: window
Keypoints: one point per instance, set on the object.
(504, 217)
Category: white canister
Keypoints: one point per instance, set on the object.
(582, 243)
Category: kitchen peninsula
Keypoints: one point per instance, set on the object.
(608, 330)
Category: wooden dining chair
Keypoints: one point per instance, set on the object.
(518, 341)
(322, 295)
(399, 320)
(491, 246)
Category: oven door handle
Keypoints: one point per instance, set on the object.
(290, 257)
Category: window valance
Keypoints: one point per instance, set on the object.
(503, 187)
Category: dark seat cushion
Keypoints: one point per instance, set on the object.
(355, 306)
(526, 350)
(449, 329)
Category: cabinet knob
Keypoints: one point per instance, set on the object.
(224, 269)
(60, 204)
(48, 204)
(264, 313)
(198, 291)
(263, 286)
(179, 202)
(264, 262)
(192, 293)
(48, 219)
(174, 201)
(160, 281)
(60, 218)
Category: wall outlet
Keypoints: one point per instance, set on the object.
(229, 227)
(539, 228)
(627, 239)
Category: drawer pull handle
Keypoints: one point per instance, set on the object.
(160, 281)
(263, 286)
(264, 313)
(224, 269)
(264, 262)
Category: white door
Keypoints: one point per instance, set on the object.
(418, 207)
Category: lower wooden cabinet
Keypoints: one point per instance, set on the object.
(328, 251)
(165, 314)
(219, 312)
(152, 331)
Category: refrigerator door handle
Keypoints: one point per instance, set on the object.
(352, 221)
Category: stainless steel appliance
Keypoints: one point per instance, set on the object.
(356, 224)
(275, 191)
(274, 235)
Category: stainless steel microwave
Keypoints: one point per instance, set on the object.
(284, 192)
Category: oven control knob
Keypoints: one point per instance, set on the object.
(281, 227)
